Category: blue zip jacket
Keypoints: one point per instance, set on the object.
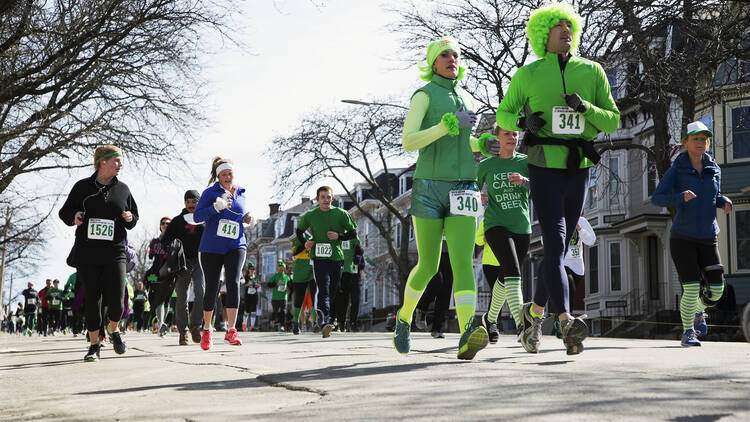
(696, 218)
(211, 242)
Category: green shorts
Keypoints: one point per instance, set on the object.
(431, 198)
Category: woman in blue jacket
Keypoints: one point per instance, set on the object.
(692, 187)
(222, 208)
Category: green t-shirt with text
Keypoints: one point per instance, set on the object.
(55, 299)
(279, 292)
(508, 204)
(320, 223)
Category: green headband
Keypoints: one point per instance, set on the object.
(111, 154)
(434, 49)
(544, 18)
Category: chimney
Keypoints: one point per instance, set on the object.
(305, 198)
(273, 208)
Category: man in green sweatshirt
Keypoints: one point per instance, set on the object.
(567, 102)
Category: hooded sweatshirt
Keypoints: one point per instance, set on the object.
(224, 230)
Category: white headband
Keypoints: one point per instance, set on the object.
(222, 167)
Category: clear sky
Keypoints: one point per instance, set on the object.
(302, 57)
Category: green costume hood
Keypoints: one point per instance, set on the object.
(544, 18)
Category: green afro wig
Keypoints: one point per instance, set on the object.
(543, 19)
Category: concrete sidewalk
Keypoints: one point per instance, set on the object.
(276, 376)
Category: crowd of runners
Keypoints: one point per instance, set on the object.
(200, 278)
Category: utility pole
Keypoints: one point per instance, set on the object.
(2, 258)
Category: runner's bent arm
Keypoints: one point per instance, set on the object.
(512, 103)
(414, 139)
(588, 237)
(663, 195)
(603, 113)
(348, 235)
(71, 206)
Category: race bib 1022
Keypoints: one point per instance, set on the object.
(323, 250)
(566, 121)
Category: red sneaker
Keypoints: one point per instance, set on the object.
(233, 337)
(206, 342)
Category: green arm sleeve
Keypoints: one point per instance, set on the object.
(604, 114)
(479, 239)
(414, 139)
(512, 103)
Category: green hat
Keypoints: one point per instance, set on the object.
(280, 263)
(434, 49)
(544, 18)
(250, 265)
(697, 127)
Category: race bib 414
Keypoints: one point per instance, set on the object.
(228, 228)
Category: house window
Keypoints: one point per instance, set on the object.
(742, 239)
(652, 177)
(707, 119)
(404, 183)
(614, 181)
(614, 84)
(591, 194)
(593, 256)
(741, 132)
(615, 270)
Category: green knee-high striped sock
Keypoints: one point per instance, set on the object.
(466, 301)
(717, 290)
(498, 300)
(411, 298)
(514, 297)
(689, 303)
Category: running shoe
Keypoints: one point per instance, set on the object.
(531, 330)
(93, 354)
(163, 330)
(491, 327)
(233, 337)
(195, 333)
(689, 339)
(184, 339)
(574, 331)
(438, 334)
(556, 329)
(474, 339)
(402, 336)
(295, 328)
(117, 344)
(699, 323)
(326, 330)
(206, 341)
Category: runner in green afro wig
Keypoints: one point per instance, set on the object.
(543, 19)
(434, 49)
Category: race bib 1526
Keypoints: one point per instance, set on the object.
(101, 229)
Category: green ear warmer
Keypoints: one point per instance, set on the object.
(434, 49)
(482, 142)
(544, 18)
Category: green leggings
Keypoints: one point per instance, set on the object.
(459, 235)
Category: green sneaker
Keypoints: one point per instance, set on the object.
(474, 339)
(402, 336)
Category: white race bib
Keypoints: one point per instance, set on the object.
(346, 244)
(323, 250)
(140, 297)
(575, 251)
(282, 288)
(70, 313)
(466, 202)
(251, 290)
(101, 229)
(228, 228)
(31, 302)
(55, 302)
(566, 121)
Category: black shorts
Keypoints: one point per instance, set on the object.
(691, 256)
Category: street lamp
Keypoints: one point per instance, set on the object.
(365, 103)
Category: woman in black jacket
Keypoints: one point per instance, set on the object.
(102, 208)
